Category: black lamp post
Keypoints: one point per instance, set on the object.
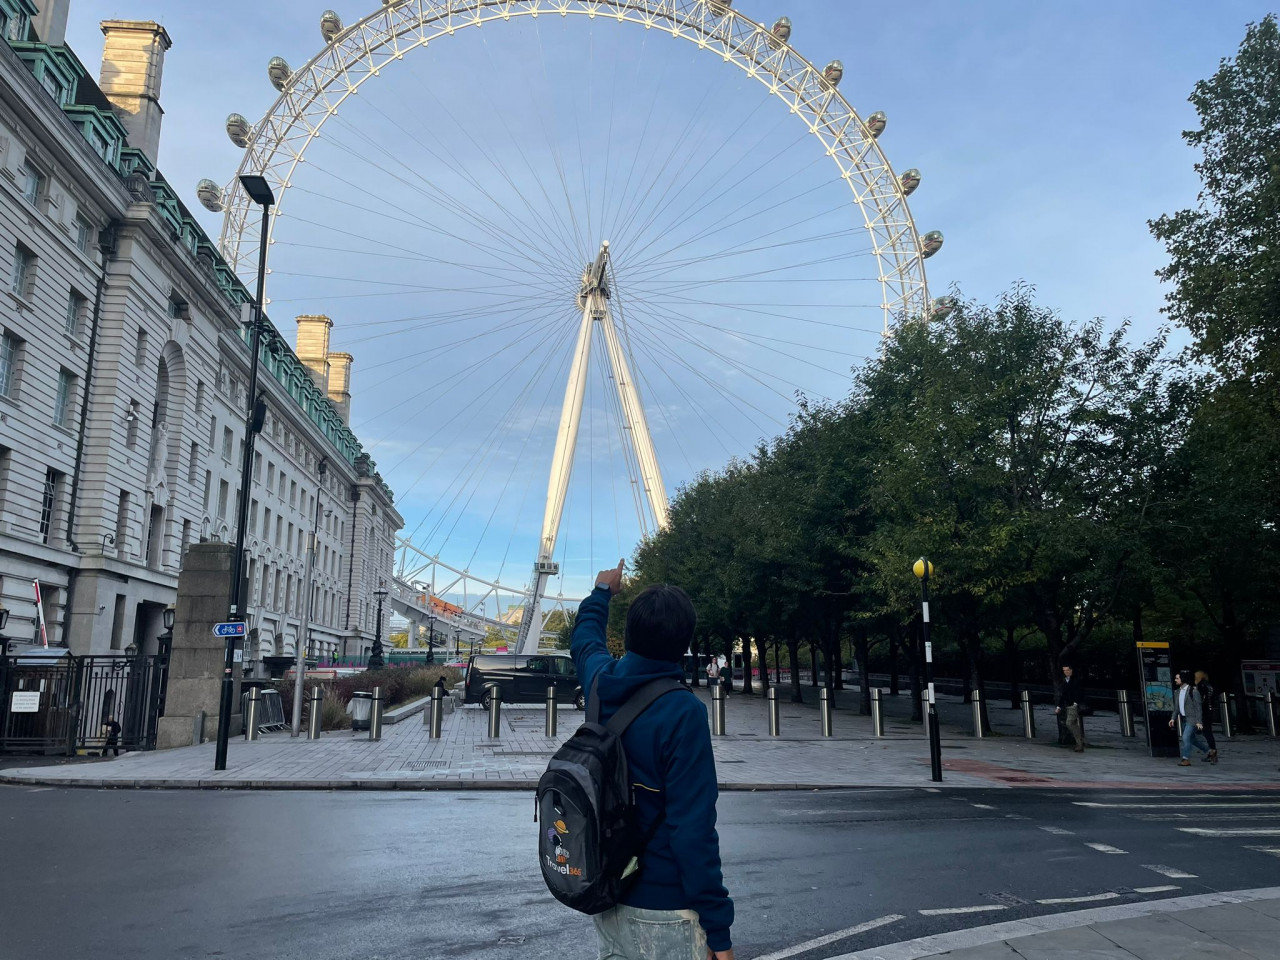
(376, 662)
(259, 192)
(923, 569)
(431, 640)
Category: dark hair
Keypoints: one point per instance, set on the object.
(660, 623)
(1187, 679)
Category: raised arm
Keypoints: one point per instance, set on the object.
(588, 646)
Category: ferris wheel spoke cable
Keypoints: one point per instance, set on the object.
(662, 267)
(614, 419)
(437, 323)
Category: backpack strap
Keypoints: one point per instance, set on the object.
(593, 701)
(639, 702)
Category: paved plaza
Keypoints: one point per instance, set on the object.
(746, 757)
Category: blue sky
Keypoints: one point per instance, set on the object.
(1048, 134)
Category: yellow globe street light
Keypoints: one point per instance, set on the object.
(922, 568)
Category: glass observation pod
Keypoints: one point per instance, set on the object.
(720, 7)
(930, 243)
(330, 25)
(781, 30)
(876, 123)
(278, 72)
(909, 180)
(941, 308)
(238, 130)
(210, 195)
(834, 73)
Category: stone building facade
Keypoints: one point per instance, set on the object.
(124, 366)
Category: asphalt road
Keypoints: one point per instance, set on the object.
(385, 876)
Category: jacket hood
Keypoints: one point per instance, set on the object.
(631, 673)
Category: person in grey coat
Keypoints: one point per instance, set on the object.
(1188, 705)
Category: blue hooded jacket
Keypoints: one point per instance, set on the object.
(669, 757)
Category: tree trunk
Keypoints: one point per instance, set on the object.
(839, 666)
(1014, 662)
(895, 646)
(793, 659)
(861, 650)
(762, 654)
(747, 686)
(697, 663)
(973, 642)
(726, 675)
(813, 663)
(915, 656)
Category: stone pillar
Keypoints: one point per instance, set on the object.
(312, 347)
(51, 22)
(340, 384)
(195, 668)
(132, 65)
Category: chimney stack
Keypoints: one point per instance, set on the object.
(51, 22)
(312, 347)
(132, 64)
(340, 384)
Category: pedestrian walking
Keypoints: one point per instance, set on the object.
(1189, 706)
(676, 906)
(713, 673)
(1209, 705)
(1069, 707)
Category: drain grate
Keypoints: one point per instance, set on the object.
(1008, 899)
(425, 764)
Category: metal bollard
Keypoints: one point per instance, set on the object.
(435, 713)
(251, 715)
(976, 707)
(1126, 713)
(197, 727)
(775, 717)
(551, 711)
(1269, 704)
(1028, 716)
(1224, 709)
(824, 703)
(877, 712)
(717, 711)
(316, 714)
(924, 710)
(495, 711)
(375, 718)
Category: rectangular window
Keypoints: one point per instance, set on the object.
(257, 468)
(140, 351)
(9, 348)
(65, 399)
(32, 182)
(24, 271)
(293, 493)
(179, 308)
(50, 503)
(223, 491)
(186, 538)
(279, 529)
(193, 464)
(131, 419)
(213, 432)
(271, 478)
(288, 543)
(199, 396)
(155, 537)
(122, 524)
(208, 482)
(253, 517)
(282, 479)
(77, 307)
(52, 86)
(84, 234)
(227, 439)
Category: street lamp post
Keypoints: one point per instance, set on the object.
(923, 569)
(431, 639)
(259, 192)
(376, 661)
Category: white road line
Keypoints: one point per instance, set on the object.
(1231, 831)
(817, 942)
(982, 806)
(1201, 817)
(1167, 888)
(1173, 873)
(1274, 851)
(1058, 831)
(1105, 848)
(1165, 806)
(1092, 898)
(983, 908)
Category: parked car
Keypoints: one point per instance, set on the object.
(522, 678)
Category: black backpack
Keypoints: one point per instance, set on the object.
(589, 847)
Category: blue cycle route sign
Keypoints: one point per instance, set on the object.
(228, 629)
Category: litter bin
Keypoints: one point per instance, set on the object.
(361, 709)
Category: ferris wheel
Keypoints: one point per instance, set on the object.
(569, 207)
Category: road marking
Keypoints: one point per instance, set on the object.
(1167, 888)
(1165, 806)
(1231, 831)
(1201, 817)
(982, 806)
(1173, 873)
(817, 942)
(1105, 848)
(1274, 851)
(1058, 831)
(944, 911)
(1092, 898)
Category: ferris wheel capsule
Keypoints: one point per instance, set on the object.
(279, 72)
(210, 195)
(941, 308)
(834, 73)
(782, 29)
(930, 243)
(720, 7)
(330, 25)
(876, 124)
(909, 181)
(238, 130)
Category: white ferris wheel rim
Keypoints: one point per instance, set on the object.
(313, 93)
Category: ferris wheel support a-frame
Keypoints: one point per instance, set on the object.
(594, 298)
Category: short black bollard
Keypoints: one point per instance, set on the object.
(976, 707)
(824, 703)
(435, 713)
(1126, 713)
(551, 712)
(775, 717)
(495, 710)
(1224, 710)
(375, 718)
(1028, 716)
(877, 712)
(251, 715)
(316, 713)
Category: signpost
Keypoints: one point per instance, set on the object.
(233, 629)
(1156, 672)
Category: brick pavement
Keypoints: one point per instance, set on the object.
(747, 758)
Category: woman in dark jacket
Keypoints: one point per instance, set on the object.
(1206, 699)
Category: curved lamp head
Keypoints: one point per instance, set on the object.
(922, 568)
